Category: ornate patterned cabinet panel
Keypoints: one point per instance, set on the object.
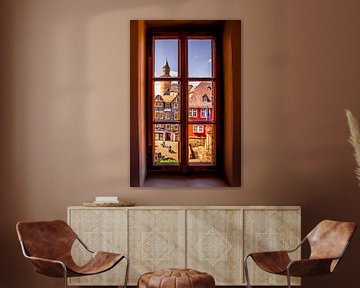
(211, 239)
(214, 241)
(271, 229)
(156, 240)
(101, 230)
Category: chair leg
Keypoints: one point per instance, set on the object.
(65, 275)
(288, 278)
(246, 272)
(127, 271)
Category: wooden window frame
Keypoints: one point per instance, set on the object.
(184, 166)
(230, 30)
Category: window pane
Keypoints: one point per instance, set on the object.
(201, 101)
(166, 143)
(166, 58)
(166, 105)
(200, 57)
(201, 143)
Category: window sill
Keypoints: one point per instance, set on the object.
(185, 181)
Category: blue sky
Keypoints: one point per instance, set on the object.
(199, 53)
(166, 49)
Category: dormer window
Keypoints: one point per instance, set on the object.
(205, 98)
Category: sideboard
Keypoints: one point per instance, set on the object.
(213, 239)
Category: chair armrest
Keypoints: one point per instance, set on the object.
(270, 252)
(84, 245)
(280, 251)
(271, 261)
(49, 267)
(309, 267)
(45, 260)
(298, 246)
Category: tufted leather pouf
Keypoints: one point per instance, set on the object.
(176, 278)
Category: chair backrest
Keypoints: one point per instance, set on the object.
(46, 239)
(329, 239)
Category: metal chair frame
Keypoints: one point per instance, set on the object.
(288, 276)
(23, 249)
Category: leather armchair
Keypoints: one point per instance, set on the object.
(328, 242)
(48, 245)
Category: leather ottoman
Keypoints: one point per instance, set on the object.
(176, 278)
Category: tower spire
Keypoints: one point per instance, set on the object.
(166, 69)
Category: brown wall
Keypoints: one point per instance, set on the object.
(64, 112)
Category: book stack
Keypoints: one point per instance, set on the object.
(106, 199)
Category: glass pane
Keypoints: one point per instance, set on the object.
(201, 143)
(166, 143)
(201, 101)
(166, 101)
(166, 58)
(200, 57)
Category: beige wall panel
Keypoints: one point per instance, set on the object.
(101, 230)
(156, 240)
(214, 244)
(269, 230)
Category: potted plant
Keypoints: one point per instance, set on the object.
(354, 140)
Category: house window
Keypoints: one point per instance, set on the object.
(192, 112)
(183, 69)
(212, 74)
(159, 115)
(198, 128)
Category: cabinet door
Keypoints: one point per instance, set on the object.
(270, 230)
(214, 244)
(156, 240)
(101, 230)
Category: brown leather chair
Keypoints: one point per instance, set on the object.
(328, 242)
(48, 245)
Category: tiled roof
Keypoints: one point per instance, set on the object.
(201, 96)
(173, 88)
(168, 98)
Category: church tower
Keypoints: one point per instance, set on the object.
(166, 69)
(165, 85)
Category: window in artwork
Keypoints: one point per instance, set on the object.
(183, 90)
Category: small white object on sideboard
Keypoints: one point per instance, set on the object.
(212, 239)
